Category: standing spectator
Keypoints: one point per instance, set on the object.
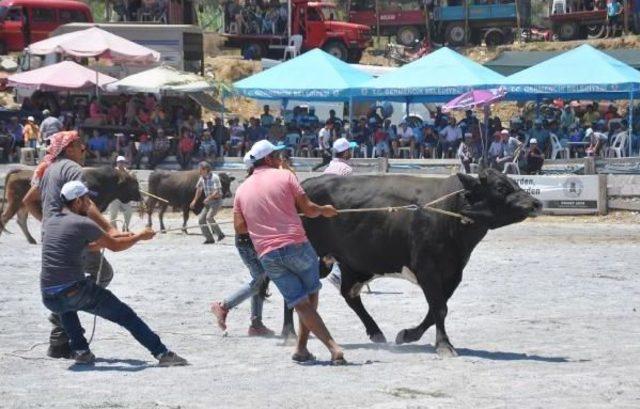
(15, 129)
(596, 141)
(534, 158)
(210, 187)
(568, 117)
(186, 145)
(464, 152)
(540, 134)
(337, 122)
(31, 133)
(266, 119)
(312, 119)
(339, 165)
(116, 205)
(450, 138)
(145, 150)
(161, 147)
(95, 111)
(220, 134)
(429, 142)
(324, 144)
(266, 206)
(614, 9)
(50, 125)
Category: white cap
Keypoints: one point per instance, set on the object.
(262, 149)
(247, 160)
(504, 132)
(73, 190)
(30, 119)
(121, 159)
(533, 140)
(589, 131)
(342, 144)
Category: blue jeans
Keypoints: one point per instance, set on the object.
(295, 271)
(258, 276)
(87, 296)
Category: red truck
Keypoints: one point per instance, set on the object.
(266, 33)
(23, 22)
(574, 25)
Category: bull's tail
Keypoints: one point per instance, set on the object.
(7, 179)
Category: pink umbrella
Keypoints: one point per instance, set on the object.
(63, 76)
(95, 42)
(475, 99)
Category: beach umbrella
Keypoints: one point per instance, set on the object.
(475, 99)
(63, 76)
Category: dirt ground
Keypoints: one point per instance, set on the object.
(547, 315)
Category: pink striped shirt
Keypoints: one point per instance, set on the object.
(339, 167)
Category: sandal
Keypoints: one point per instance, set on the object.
(338, 362)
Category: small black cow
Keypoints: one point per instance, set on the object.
(179, 188)
(108, 183)
(429, 249)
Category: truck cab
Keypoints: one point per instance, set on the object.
(316, 22)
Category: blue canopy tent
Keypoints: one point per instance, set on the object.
(582, 73)
(313, 76)
(437, 77)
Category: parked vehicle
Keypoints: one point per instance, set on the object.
(402, 54)
(266, 33)
(454, 22)
(568, 24)
(25, 21)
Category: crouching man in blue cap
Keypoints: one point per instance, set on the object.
(65, 290)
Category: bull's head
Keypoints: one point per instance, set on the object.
(128, 188)
(495, 200)
(225, 181)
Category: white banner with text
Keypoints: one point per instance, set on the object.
(563, 194)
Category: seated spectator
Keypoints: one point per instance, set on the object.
(186, 146)
(99, 145)
(464, 152)
(277, 132)
(381, 142)
(144, 150)
(236, 140)
(589, 118)
(496, 150)
(450, 137)
(160, 120)
(312, 120)
(150, 102)
(208, 148)
(597, 140)
(254, 133)
(429, 143)
(511, 147)
(568, 117)
(266, 119)
(534, 158)
(161, 148)
(115, 115)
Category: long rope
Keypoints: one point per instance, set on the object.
(390, 209)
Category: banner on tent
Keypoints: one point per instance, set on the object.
(565, 194)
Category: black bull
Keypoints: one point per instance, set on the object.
(427, 248)
(179, 189)
(108, 183)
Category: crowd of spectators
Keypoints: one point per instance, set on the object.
(256, 17)
(141, 10)
(146, 133)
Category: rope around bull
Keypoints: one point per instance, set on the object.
(389, 209)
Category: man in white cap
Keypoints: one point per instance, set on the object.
(65, 288)
(117, 206)
(266, 206)
(534, 158)
(31, 133)
(342, 150)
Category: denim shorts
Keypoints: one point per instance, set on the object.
(294, 270)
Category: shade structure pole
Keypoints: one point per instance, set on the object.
(485, 139)
(223, 108)
(350, 113)
(406, 109)
(630, 124)
(537, 106)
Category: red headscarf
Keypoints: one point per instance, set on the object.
(59, 143)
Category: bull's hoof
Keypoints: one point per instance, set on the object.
(446, 350)
(378, 338)
(163, 231)
(406, 336)
(32, 241)
(288, 335)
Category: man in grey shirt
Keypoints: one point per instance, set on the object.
(65, 290)
(50, 125)
(59, 166)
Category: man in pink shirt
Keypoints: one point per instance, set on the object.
(338, 165)
(266, 206)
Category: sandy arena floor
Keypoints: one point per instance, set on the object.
(547, 316)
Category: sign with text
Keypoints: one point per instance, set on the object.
(566, 194)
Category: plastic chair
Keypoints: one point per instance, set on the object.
(558, 149)
(617, 148)
(293, 49)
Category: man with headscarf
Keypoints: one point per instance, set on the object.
(62, 164)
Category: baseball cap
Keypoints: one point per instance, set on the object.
(342, 144)
(262, 149)
(30, 119)
(121, 159)
(73, 190)
(533, 140)
(247, 160)
(589, 131)
(504, 132)
(45, 112)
